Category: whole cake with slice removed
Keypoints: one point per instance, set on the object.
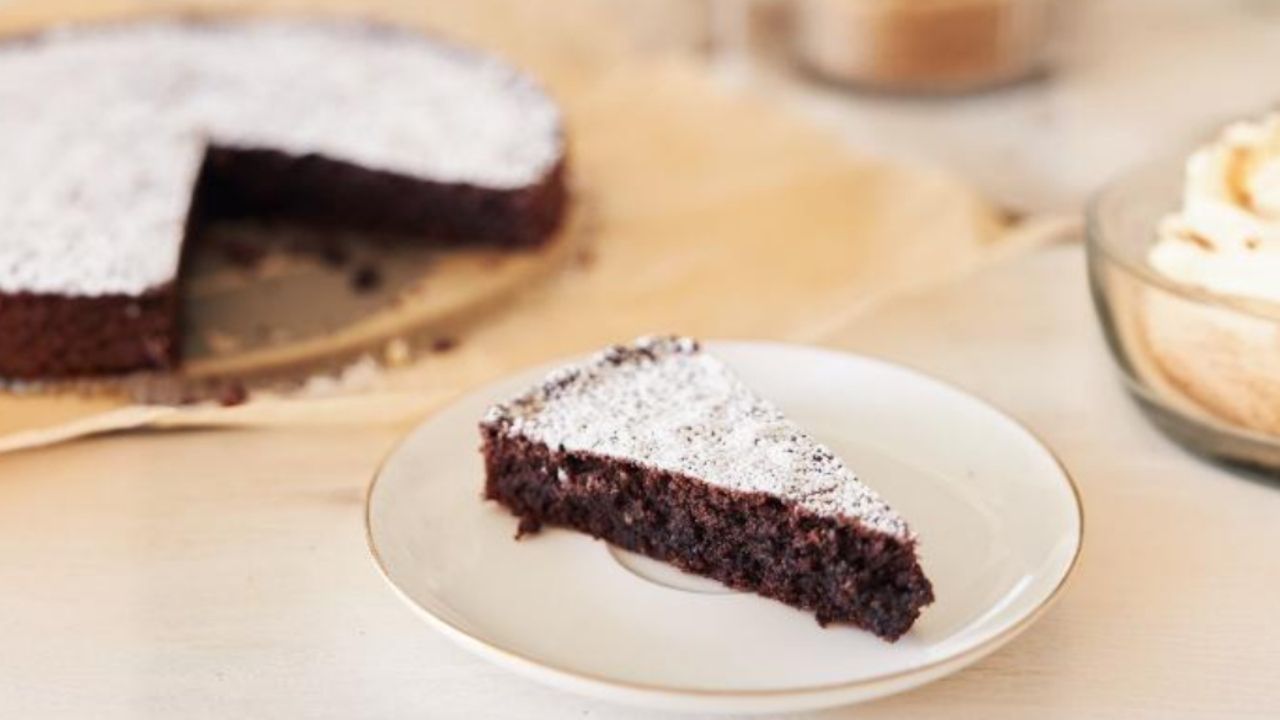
(659, 448)
(118, 142)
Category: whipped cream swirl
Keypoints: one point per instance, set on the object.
(1226, 237)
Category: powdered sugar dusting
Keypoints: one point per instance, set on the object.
(103, 131)
(665, 403)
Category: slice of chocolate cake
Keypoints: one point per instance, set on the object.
(117, 142)
(659, 448)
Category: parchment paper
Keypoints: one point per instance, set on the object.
(714, 214)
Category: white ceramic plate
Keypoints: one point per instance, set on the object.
(998, 518)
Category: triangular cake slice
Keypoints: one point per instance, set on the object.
(659, 448)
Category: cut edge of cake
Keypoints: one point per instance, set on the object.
(658, 447)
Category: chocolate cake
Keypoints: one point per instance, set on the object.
(658, 448)
(118, 143)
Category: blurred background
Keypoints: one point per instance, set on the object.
(1034, 101)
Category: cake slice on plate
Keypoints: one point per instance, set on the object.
(659, 448)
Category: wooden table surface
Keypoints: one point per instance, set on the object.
(223, 573)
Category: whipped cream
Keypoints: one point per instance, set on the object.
(1226, 237)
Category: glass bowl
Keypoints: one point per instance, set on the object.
(1204, 367)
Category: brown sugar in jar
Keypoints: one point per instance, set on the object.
(926, 46)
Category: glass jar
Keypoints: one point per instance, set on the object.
(929, 46)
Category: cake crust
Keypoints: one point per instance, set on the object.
(47, 335)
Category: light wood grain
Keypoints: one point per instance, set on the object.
(223, 574)
(1167, 616)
